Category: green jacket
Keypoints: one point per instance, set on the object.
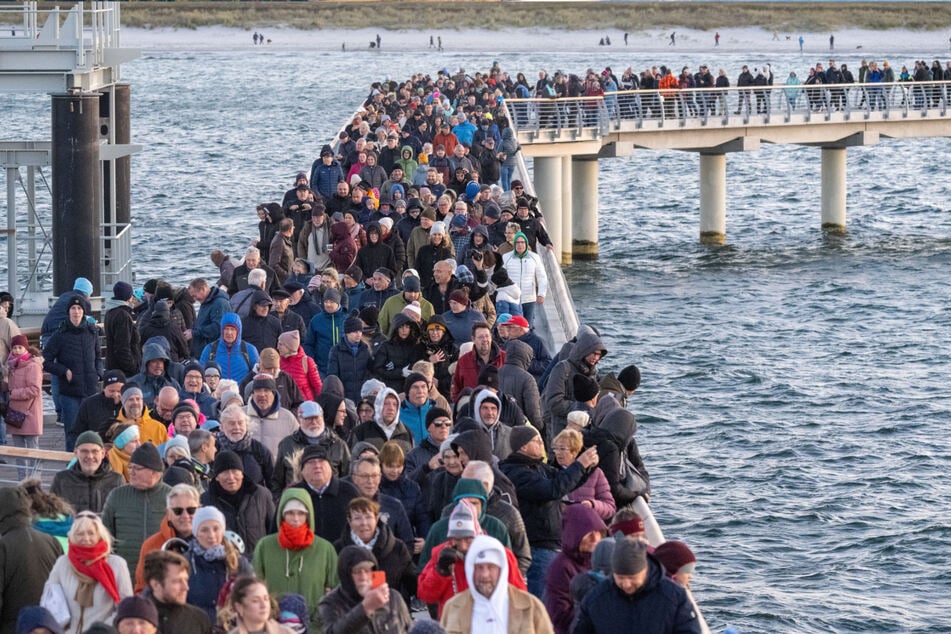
(132, 516)
(310, 572)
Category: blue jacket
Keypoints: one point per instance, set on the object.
(541, 358)
(353, 369)
(207, 326)
(232, 360)
(409, 493)
(461, 325)
(324, 178)
(415, 418)
(323, 333)
(660, 606)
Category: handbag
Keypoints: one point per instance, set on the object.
(14, 418)
(54, 600)
(631, 478)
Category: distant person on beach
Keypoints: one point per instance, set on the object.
(439, 40)
(673, 39)
(625, 38)
(716, 39)
(378, 40)
(431, 43)
(801, 42)
(831, 42)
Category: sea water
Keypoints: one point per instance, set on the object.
(795, 403)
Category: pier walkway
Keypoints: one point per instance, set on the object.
(712, 122)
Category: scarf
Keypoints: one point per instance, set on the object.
(120, 461)
(215, 553)
(368, 545)
(291, 538)
(237, 446)
(275, 406)
(14, 361)
(91, 562)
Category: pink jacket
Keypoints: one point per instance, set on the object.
(308, 380)
(26, 384)
(596, 489)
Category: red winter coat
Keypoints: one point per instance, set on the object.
(308, 380)
(468, 368)
(434, 588)
(26, 383)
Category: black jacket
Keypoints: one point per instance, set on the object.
(261, 332)
(614, 438)
(352, 369)
(392, 557)
(159, 324)
(181, 618)
(249, 512)
(288, 450)
(330, 507)
(96, 413)
(540, 488)
(239, 281)
(123, 345)
(74, 348)
(86, 493)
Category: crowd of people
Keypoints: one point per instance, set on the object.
(358, 422)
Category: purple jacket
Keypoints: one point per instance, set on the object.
(596, 489)
(577, 521)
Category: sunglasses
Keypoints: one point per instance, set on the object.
(441, 424)
(178, 510)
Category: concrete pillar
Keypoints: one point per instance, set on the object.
(76, 190)
(833, 190)
(713, 198)
(548, 188)
(584, 208)
(566, 210)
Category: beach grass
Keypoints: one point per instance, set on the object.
(495, 15)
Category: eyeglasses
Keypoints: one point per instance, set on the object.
(178, 510)
(445, 423)
(366, 476)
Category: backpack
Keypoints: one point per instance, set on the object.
(244, 352)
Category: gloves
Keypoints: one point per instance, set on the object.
(447, 559)
(407, 371)
(389, 366)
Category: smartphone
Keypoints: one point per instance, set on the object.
(379, 578)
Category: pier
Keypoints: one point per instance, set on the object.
(567, 137)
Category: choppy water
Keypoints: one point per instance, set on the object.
(795, 399)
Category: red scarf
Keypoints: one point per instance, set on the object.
(91, 561)
(295, 538)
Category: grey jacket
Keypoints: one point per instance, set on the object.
(516, 381)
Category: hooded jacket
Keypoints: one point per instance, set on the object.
(519, 382)
(323, 333)
(342, 611)
(578, 521)
(373, 432)
(344, 251)
(26, 557)
(159, 323)
(393, 557)
(471, 612)
(352, 365)
(395, 353)
(559, 393)
(659, 606)
(310, 572)
(478, 446)
(324, 178)
(498, 432)
(376, 254)
(123, 344)
(235, 361)
(151, 385)
(615, 439)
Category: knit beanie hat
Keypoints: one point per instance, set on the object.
(414, 377)
(130, 432)
(89, 437)
(429, 212)
(355, 273)
(83, 285)
(148, 456)
(185, 407)
(226, 461)
(205, 514)
(294, 614)
(579, 418)
(489, 377)
(436, 412)
(122, 291)
(464, 275)
(629, 557)
(630, 377)
(438, 227)
(411, 284)
(676, 557)
(413, 311)
(601, 557)
(459, 296)
(269, 358)
(291, 339)
(521, 436)
(427, 626)
(332, 294)
(264, 382)
(585, 388)
(136, 607)
(178, 442)
(20, 340)
(130, 390)
(462, 521)
(353, 324)
(34, 618)
(100, 628)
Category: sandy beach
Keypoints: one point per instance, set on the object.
(929, 44)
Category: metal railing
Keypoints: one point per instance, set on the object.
(778, 104)
(20, 464)
(116, 240)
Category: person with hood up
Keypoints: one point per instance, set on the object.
(234, 356)
(72, 356)
(528, 271)
(558, 396)
(325, 331)
(618, 453)
(444, 574)
(350, 359)
(260, 327)
(123, 345)
(386, 424)
(375, 253)
(585, 581)
(519, 383)
(474, 492)
(582, 529)
(492, 604)
(356, 607)
(442, 352)
(159, 323)
(400, 351)
(313, 431)
(540, 488)
(295, 559)
(637, 597)
(26, 557)
(486, 408)
(154, 373)
(407, 160)
(325, 173)
(344, 251)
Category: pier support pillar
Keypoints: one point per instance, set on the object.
(713, 198)
(833, 189)
(548, 187)
(76, 190)
(584, 208)
(567, 211)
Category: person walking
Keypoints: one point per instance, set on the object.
(24, 416)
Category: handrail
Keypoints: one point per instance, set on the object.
(598, 114)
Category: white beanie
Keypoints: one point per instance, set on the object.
(206, 513)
